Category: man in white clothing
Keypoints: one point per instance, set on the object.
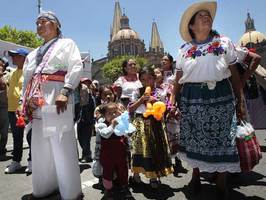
(51, 73)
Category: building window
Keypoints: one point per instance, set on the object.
(127, 49)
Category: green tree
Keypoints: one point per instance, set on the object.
(25, 38)
(113, 69)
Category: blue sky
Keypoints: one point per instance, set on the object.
(88, 21)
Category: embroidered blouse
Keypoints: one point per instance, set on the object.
(128, 87)
(206, 62)
(158, 93)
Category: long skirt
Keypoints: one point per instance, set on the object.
(150, 148)
(208, 127)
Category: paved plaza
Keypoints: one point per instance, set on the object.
(250, 186)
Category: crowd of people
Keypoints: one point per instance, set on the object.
(202, 101)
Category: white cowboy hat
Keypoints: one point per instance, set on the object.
(209, 6)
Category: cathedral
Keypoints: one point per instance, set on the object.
(126, 41)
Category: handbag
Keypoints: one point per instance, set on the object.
(248, 147)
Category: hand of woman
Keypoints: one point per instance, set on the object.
(144, 98)
(61, 103)
(171, 113)
(177, 114)
(152, 99)
(174, 113)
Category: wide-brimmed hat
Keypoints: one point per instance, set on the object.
(209, 6)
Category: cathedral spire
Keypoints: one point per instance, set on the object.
(116, 20)
(156, 44)
(249, 23)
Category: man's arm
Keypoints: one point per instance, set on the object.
(238, 91)
(72, 78)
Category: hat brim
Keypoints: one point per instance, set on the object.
(15, 53)
(12, 53)
(209, 6)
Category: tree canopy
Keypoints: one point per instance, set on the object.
(113, 69)
(25, 38)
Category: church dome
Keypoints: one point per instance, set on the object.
(253, 37)
(125, 34)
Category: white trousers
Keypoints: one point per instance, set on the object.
(54, 163)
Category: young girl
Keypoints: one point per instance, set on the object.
(164, 76)
(113, 155)
(106, 95)
(150, 149)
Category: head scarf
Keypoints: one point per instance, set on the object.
(51, 17)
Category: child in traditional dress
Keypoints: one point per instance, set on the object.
(150, 148)
(113, 154)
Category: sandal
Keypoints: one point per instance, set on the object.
(126, 193)
(108, 195)
(154, 183)
(134, 180)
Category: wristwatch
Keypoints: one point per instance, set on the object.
(65, 91)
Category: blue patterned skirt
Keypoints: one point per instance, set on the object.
(208, 127)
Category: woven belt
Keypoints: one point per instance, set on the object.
(53, 77)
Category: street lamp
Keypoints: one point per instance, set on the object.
(39, 6)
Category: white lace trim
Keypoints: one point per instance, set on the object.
(211, 167)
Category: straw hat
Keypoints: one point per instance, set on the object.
(209, 6)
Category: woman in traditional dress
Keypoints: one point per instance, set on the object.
(208, 99)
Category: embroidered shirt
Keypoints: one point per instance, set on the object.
(64, 57)
(128, 87)
(207, 62)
